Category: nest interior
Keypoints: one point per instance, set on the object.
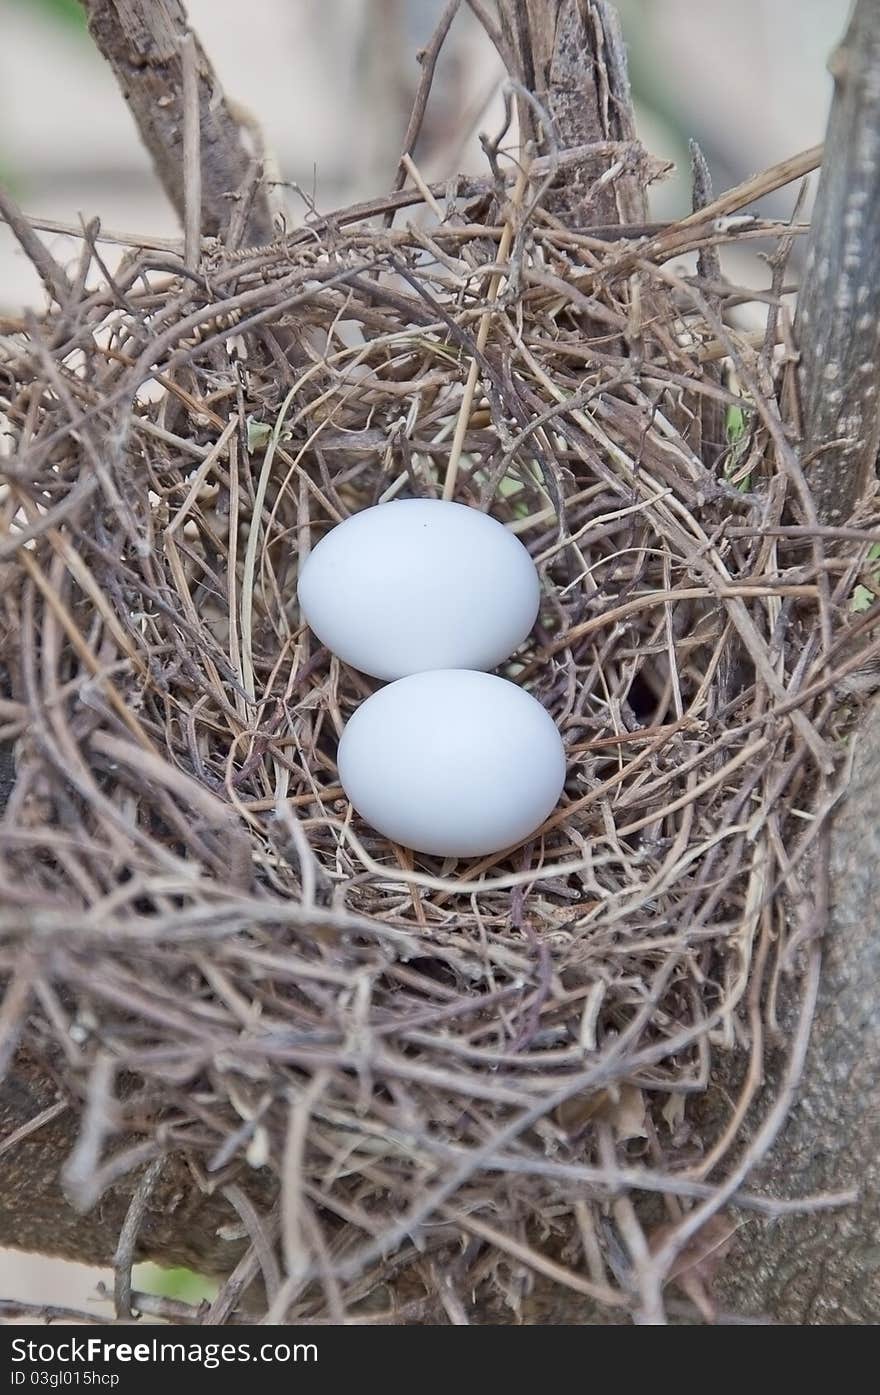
(416, 1082)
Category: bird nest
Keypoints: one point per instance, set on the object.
(422, 1090)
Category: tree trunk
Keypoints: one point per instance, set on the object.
(824, 1267)
(569, 54)
(838, 319)
(143, 41)
(182, 1225)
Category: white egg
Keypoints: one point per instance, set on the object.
(455, 763)
(420, 584)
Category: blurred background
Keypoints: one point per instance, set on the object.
(332, 82)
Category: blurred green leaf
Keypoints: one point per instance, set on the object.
(736, 431)
(183, 1284)
(735, 423)
(69, 12)
(258, 433)
(862, 599)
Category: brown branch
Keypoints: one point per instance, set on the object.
(813, 1269)
(144, 42)
(177, 1223)
(428, 61)
(839, 309)
(569, 54)
(709, 268)
(192, 154)
(53, 276)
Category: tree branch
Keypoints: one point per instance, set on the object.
(817, 1267)
(839, 307)
(570, 55)
(179, 1222)
(143, 41)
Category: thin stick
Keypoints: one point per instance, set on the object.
(39, 1121)
(428, 60)
(464, 414)
(776, 177)
(415, 175)
(50, 273)
(128, 1235)
(192, 158)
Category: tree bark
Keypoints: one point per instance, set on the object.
(182, 1224)
(142, 41)
(570, 55)
(824, 1267)
(838, 318)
